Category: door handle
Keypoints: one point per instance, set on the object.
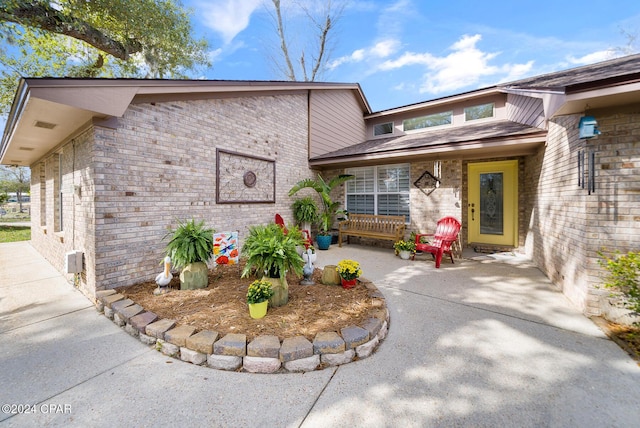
(473, 210)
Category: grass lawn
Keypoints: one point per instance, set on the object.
(14, 233)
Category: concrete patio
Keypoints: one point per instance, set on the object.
(483, 342)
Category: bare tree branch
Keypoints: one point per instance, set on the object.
(324, 27)
(291, 74)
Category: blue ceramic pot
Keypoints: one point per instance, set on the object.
(324, 242)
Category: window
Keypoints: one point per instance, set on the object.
(482, 111)
(57, 193)
(43, 195)
(382, 190)
(382, 129)
(437, 119)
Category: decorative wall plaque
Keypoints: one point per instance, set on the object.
(427, 182)
(242, 178)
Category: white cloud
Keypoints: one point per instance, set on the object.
(227, 17)
(593, 57)
(465, 66)
(381, 49)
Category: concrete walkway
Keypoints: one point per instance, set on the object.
(480, 343)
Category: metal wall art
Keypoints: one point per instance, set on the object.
(427, 182)
(242, 178)
(587, 170)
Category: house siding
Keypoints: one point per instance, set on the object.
(158, 166)
(336, 121)
(526, 110)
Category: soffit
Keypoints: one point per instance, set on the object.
(41, 127)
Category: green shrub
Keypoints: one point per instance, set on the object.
(623, 272)
(191, 242)
(268, 249)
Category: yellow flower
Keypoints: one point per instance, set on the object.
(349, 269)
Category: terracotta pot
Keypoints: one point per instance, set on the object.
(348, 283)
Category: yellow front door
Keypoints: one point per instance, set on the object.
(493, 203)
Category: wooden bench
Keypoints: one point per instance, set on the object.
(389, 227)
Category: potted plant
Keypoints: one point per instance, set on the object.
(305, 211)
(272, 252)
(329, 207)
(190, 248)
(349, 271)
(404, 248)
(258, 296)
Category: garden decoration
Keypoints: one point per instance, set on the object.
(225, 248)
(190, 248)
(307, 271)
(349, 271)
(164, 278)
(258, 296)
(405, 249)
(329, 207)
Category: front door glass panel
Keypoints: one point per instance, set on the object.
(491, 204)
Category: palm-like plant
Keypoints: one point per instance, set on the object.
(324, 188)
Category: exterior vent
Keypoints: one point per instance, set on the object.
(45, 125)
(26, 149)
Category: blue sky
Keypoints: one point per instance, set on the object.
(407, 51)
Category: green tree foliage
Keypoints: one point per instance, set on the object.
(15, 179)
(624, 276)
(97, 38)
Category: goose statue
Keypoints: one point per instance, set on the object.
(164, 278)
(307, 271)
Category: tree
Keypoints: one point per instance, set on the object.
(107, 38)
(15, 179)
(322, 23)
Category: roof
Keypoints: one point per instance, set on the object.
(46, 111)
(623, 69)
(484, 135)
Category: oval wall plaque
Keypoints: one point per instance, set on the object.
(249, 178)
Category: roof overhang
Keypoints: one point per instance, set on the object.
(48, 111)
(470, 149)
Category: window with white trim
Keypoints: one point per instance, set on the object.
(382, 189)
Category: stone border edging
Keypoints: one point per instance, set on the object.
(264, 354)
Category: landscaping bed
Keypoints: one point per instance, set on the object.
(222, 307)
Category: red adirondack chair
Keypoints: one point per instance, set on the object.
(445, 235)
(280, 222)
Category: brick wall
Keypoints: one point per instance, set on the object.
(567, 226)
(159, 165)
(55, 234)
(614, 208)
(430, 205)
